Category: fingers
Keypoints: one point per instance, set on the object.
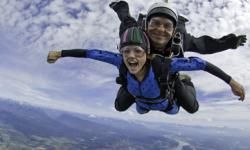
(50, 57)
(53, 56)
(51, 61)
(242, 95)
(237, 89)
(242, 37)
(241, 40)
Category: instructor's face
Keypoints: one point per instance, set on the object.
(160, 31)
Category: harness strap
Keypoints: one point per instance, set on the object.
(164, 77)
(161, 68)
(121, 79)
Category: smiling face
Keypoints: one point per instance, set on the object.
(134, 58)
(160, 31)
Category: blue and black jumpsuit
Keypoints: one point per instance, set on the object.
(147, 89)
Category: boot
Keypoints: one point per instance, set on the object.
(184, 77)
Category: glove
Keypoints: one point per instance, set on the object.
(53, 56)
(241, 40)
(234, 41)
(116, 5)
(121, 8)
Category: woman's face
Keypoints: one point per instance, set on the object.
(134, 58)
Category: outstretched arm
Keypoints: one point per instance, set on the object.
(195, 63)
(54, 55)
(209, 45)
(236, 87)
(105, 56)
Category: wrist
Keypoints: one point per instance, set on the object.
(59, 53)
(231, 82)
(74, 53)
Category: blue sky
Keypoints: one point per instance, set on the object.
(30, 29)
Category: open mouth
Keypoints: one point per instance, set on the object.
(133, 64)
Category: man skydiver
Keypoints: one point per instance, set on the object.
(160, 33)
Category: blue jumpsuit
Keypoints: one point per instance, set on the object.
(149, 87)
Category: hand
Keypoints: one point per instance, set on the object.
(237, 89)
(241, 40)
(53, 56)
(116, 5)
(121, 8)
(234, 41)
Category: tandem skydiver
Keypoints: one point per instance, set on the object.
(141, 71)
(161, 23)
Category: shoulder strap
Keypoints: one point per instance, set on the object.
(160, 66)
(121, 79)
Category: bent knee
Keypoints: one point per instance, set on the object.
(119, 108)
(193, 109)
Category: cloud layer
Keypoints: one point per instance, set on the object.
(29, 29)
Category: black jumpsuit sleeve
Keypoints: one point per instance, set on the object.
(217, 72)
(208, 45)
(74, 53)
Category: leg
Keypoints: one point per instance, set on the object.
(140, 109)
(174, 109)
(186, 95)
(123, 99)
